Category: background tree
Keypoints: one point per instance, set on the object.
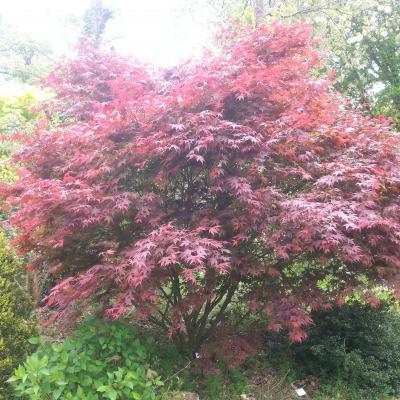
(241, 178)
(361, 40)
(95, 20)
(22, 58)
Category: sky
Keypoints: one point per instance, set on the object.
(157, 31)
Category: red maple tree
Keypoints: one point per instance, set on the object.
(243, 178)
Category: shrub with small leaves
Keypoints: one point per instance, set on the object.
(6, 172)
(16, 324)
(17, 119)
(101, 361)
(355, 348)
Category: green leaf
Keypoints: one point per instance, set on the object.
(111, 394)
(103, 388)
(12, 379)
(57, 393)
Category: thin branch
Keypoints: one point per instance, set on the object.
(306, 11)
(215, 321)
(158, 323)
(179, 371)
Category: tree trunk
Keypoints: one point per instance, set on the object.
(35, 288)
(259, 11)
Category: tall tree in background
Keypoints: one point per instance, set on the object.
(95, 20)
(362, 44)
(22, 58)
(259, 11)
(371, 68)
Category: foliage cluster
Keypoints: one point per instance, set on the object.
(360, 39)
(7, 173)
(16, 119)
(16, 324)
(355, 348)
(101, 361)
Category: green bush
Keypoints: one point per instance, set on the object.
(101, 361)
(355, 348)
(16, 324)
(6, 172)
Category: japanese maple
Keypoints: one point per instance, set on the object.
(243, 177)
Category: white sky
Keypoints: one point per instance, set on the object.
(152, 30)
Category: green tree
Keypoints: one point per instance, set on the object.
(362, 42)
(21, 57)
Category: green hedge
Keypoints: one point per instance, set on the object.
(16, 324)
(356, 349)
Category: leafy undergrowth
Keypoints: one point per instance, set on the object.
(101, 361)
(117, 361)
(352, 353)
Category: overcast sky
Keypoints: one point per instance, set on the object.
(152, 30)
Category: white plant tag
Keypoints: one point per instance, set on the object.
(301, 392)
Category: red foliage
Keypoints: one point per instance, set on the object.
(230, 345)
(172, 194)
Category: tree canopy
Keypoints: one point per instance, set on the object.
(171, 194)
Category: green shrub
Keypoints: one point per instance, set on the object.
(16, 114)
(101, 361)
(355, 348)
(6, 172)
(16, 325)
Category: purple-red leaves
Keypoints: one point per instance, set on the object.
(207, 178)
